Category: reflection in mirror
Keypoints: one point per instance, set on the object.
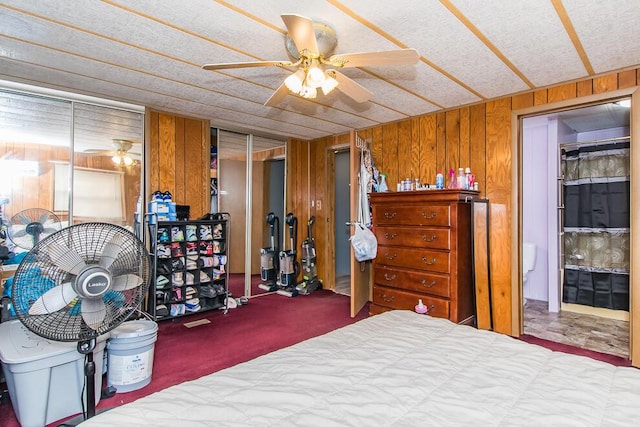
(249, 200)
(42, 139)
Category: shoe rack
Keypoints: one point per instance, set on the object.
(190, 273)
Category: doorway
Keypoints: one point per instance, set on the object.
(342, 230)
(572, 291)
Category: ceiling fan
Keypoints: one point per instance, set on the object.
(312, 45)
(120, 154)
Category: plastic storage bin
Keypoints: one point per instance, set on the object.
(45, 377)
(130, 355)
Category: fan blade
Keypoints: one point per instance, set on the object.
(54, 299)
(351, 88)
(364, 59)
(93, 312)
(20, 233)
(227, 65)
(126, 282)
(280, 94)
(49, 230)
(111, 251)
(25, 219)
(301, 31)
(65, 258)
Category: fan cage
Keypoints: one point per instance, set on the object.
(20, 227)
(36, 274)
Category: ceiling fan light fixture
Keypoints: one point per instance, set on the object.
(117, 159)
(308, 92)
(315, 77)
(293, 83)
(329, 84)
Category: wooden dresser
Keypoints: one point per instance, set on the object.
(424, 252)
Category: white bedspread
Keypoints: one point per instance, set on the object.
(402, 369)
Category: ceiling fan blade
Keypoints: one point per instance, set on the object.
(54, 299)
(228, 65)
(126, 282)
(364, 59)
(301, 31)
(111, 251)
(351, 88)
(93, 312)
(65, 258)
(280, 94)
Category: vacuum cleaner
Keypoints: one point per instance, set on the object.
(310, 281)
(289, 265)
(269, 265)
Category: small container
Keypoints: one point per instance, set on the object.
(475, 186)
(421, 308)
(439, 181)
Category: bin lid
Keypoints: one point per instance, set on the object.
(134, 328)
(20, 345)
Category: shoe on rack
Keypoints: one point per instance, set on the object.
(161, 310)
(163, 251)
(175, 310)
(208, 291)
(191, 292)
(205, 232)
(191, 264)
(206, 261)
(166, 196)
(189, 278)
(177, 263)
(177, 294)
(177, 235)
(176, 250)
(162, 282)
(157, 196)
(217, 231)
(178, 279)
(206, 248)
(163, 235)
(204, 277)
(163, 266)
(191, 233)
(192, 248)
(217, 247)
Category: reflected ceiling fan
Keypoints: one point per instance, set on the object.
(120, 153)
(312, 45)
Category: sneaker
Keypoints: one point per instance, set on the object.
(206, 248)
(191, 264)
(192, 248)
(191, 292)
(219, 260)
(204, 278)
(182, 308)
(177, 279)
(161, 310)
(191, 233)
(163, 251)
(189, 278)
(164, 266)
(217, 247)
(177, 294)
(177, 263)
(192, 308)
(219, 289)
(163, 235)
(162, 282)
(177, 235)
(174, 311)
(217, 231)
(206, 261)
(193, 304)
(217, 274)
(166, 196)
(157, 196)
(205, 232)
(176, 250)
(208, 292)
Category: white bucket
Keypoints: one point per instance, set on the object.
(130, 355)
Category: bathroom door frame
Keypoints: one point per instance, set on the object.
(517, 311)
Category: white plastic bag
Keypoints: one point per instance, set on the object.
(365, 245)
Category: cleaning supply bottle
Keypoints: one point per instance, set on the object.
(461, 179)
(452, 179)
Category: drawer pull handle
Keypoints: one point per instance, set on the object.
(389, 278)
(426, 261)
(429, 239)
(430, 285)
(431, 216)
(386, 298)
(392, 256)
(390, 236)
(389, 215)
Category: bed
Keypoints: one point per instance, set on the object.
(403, 369)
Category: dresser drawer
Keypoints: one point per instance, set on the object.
(412, 215)
(433, 284)
(425, 237)
(421, 259)
(401, 300)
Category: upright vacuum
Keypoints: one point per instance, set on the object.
(310, 281)
(269, 265)
(289, 265)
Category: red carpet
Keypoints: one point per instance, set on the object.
(266, 324)
(565, 348)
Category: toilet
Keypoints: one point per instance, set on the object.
(528, 263)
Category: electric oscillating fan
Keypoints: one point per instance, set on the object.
(29, 226)
(79, 283)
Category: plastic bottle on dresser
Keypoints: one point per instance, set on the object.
(467, 177)
(461, 178)
(439, 181)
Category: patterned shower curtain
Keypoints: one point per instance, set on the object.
(596, 225)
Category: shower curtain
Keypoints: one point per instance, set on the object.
(596, 224)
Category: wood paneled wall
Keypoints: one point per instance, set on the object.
(179, 159)
(478, 136)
